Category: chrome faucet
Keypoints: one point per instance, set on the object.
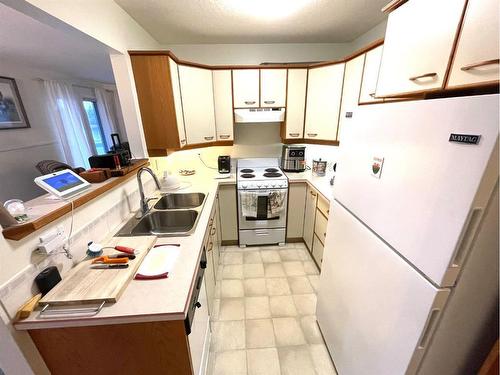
(144, 200)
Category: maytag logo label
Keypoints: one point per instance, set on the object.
(469, 139)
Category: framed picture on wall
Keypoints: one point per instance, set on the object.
(12, 113)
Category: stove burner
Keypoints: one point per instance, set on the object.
(246, 170)
(247, 175)
(272, 170)
(272, 174)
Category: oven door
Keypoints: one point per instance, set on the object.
(263, 220)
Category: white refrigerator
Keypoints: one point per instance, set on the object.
(409, 279)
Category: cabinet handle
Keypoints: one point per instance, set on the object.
(294, 134)
(213, 231)
(312, 134)
(209, 138)
(324, 234)
(479, 64)
(183, 141)
(210, 246)
(224, 136)
(313, 193)
(372, 94)
(427, 75)
(269, 101)
(249, 102)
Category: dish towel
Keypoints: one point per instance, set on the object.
(248, 203)
(276, 202)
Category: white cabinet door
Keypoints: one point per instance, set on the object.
(370, 76)
(309, 216)
(223, 101)
(418, 45)
(228, 213)
(317, 251)
(198, 104)
(199, 336)
(273, 87)
(476, 58)
(296, 103)
(296, 207)
(246, 88)
(176, 88)
(324, 90)
(350, 91)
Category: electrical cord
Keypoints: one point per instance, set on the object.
(199, 155)
(67, 246)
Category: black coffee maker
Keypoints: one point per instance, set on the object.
(224, 164)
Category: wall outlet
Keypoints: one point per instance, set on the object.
(52, 240)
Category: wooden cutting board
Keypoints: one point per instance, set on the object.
(83, 285)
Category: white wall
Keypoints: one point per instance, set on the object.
(21, 149)
(371, 35)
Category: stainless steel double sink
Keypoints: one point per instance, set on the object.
(173, 214)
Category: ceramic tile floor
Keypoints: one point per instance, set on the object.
(263, 321)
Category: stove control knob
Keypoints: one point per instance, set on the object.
(244, 186)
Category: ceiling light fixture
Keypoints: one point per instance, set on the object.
(267, 10)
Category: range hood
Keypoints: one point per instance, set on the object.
(247, 115)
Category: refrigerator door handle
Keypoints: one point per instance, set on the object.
(429, 327)
(468, 236)
(464, 245)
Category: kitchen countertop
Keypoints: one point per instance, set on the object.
(165, 299)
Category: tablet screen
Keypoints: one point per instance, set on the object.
(63, 181)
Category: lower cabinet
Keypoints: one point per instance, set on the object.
(296, 207)
(199, 338)
(228, 214)
(317, 251)
(309, 216)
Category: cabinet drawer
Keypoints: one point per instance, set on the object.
(320, 226)
(317, 252)
(323, 205)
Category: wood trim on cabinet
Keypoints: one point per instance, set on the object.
(490, 364)
(393, 5)
(365, 49)
(305, 104)
(310, 141)
(129, 349)
(18, 232)
(454, 47)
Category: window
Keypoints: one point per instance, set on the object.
(90, 107)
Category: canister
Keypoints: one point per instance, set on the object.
(319, 167)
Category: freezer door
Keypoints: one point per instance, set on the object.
(400, 174)
(377, 313)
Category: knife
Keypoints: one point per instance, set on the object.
(109, 266)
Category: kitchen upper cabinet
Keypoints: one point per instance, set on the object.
(418, 45)
(273, 87)
(296, 104)
(477, 56)
(246, 88)
(350, 91)
(296, 207)
(370, 76)
(223, 102)
(198, 104)
(176, 91)
(324, 90)
(309, 216)
(156, 83)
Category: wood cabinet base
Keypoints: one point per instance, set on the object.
(139, 348)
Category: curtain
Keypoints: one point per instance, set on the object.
(106, 107)
(66, 115)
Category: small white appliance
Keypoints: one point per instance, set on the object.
(409, 279)
(261, 185)
(63, 184)
(256, 115)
